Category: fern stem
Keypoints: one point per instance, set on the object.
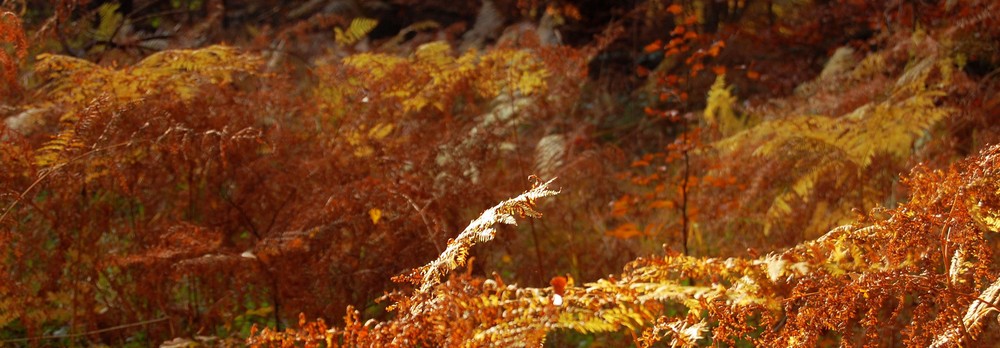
(684, 191)
(538, 252)
(276, 298)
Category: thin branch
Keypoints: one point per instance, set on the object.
(81, 334)
(45, 174)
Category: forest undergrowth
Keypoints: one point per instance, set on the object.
(742, 173)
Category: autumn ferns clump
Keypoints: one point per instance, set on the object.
(184, 173)
(920, 273)
(427, 316)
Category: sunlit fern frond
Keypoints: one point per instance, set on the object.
(177, 69)
(86, 91)
(180, 72)
(511, 71)
(824, 148)
(887, 127)
(481, 230)
(682, 332)
(432, 77)
(53, 151)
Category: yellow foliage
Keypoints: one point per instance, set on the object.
(380, 131)
(982, 204)
(719, 111)
(432, 74)
(375, 214)
(357, 30)
(110, 21)
(78, 84)
(831, 146)
(512, 71)
(362, 140)
(887, 127)
(50, 154)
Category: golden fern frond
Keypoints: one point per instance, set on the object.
(52, 152)
(801, 189)
(55, 151)
(433, 71)
(181, 69)
(525, 316)
(529, 313)
(206, 61)
(375, 66)
(512, 71)
(54, 66)
(357, 30)
(821, 146)
(83, 88)
(77, 82)
(435, 54)
(886, 127)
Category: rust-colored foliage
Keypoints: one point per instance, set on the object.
(12, 35)
(216, 172)
(922, 271)
(200, 189)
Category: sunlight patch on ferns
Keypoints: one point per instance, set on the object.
(888, 127)
(432, 72)
(80, 87)
(182, 72)
(841, 146)
(362, 139)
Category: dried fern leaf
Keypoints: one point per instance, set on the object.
(481, 230)
(985, 305)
